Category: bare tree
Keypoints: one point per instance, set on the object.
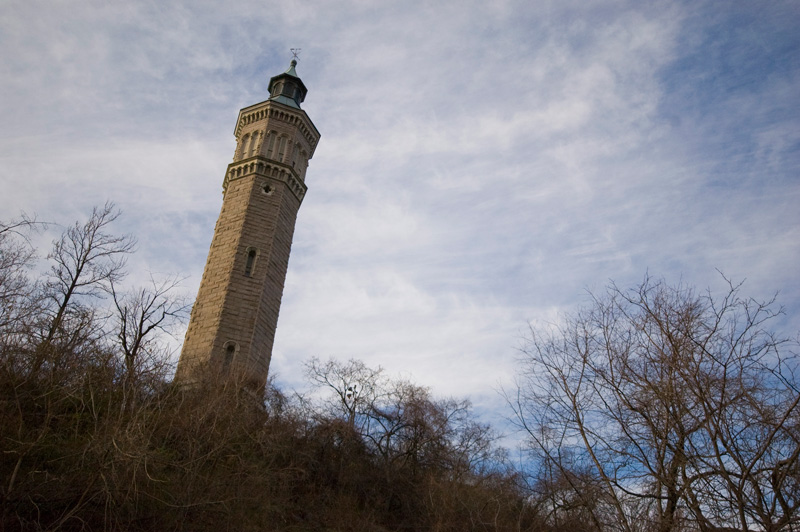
(144, 316)
(355, 388)
(673, 409)
(86, 259)
(438, 464)
(16, 258)
(59, 353)
(402, 423)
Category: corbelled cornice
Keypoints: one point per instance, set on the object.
(264, 167)
(283, 113)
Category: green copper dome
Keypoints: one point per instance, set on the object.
(287, 88)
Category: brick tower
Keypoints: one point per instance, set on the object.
(232, 325)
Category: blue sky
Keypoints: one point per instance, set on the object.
(482, 164)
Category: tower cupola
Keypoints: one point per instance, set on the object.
(287, 88)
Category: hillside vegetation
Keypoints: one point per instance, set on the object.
(96, 437)
(653, 409)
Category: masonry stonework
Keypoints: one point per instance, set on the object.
(233, 321)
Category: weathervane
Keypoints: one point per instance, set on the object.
(295, 52)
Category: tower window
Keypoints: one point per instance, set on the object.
(281, 148)
(243, 148)
(230, 353)
(251, 261)
(253, 141)
(271, 145)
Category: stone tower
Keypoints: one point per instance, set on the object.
(232, 325)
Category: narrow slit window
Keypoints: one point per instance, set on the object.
(251, 261)
(281, 148)
(230, 354)
(243, 149)
(253, 142)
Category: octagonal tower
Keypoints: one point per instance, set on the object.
(233, 321)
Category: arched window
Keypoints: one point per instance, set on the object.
(231, 348)
(250, 264)
(253, 142)
(265, 144)
(271, 145)
(243, 146)
(281, 149)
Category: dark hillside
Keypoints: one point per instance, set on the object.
(95, 437)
